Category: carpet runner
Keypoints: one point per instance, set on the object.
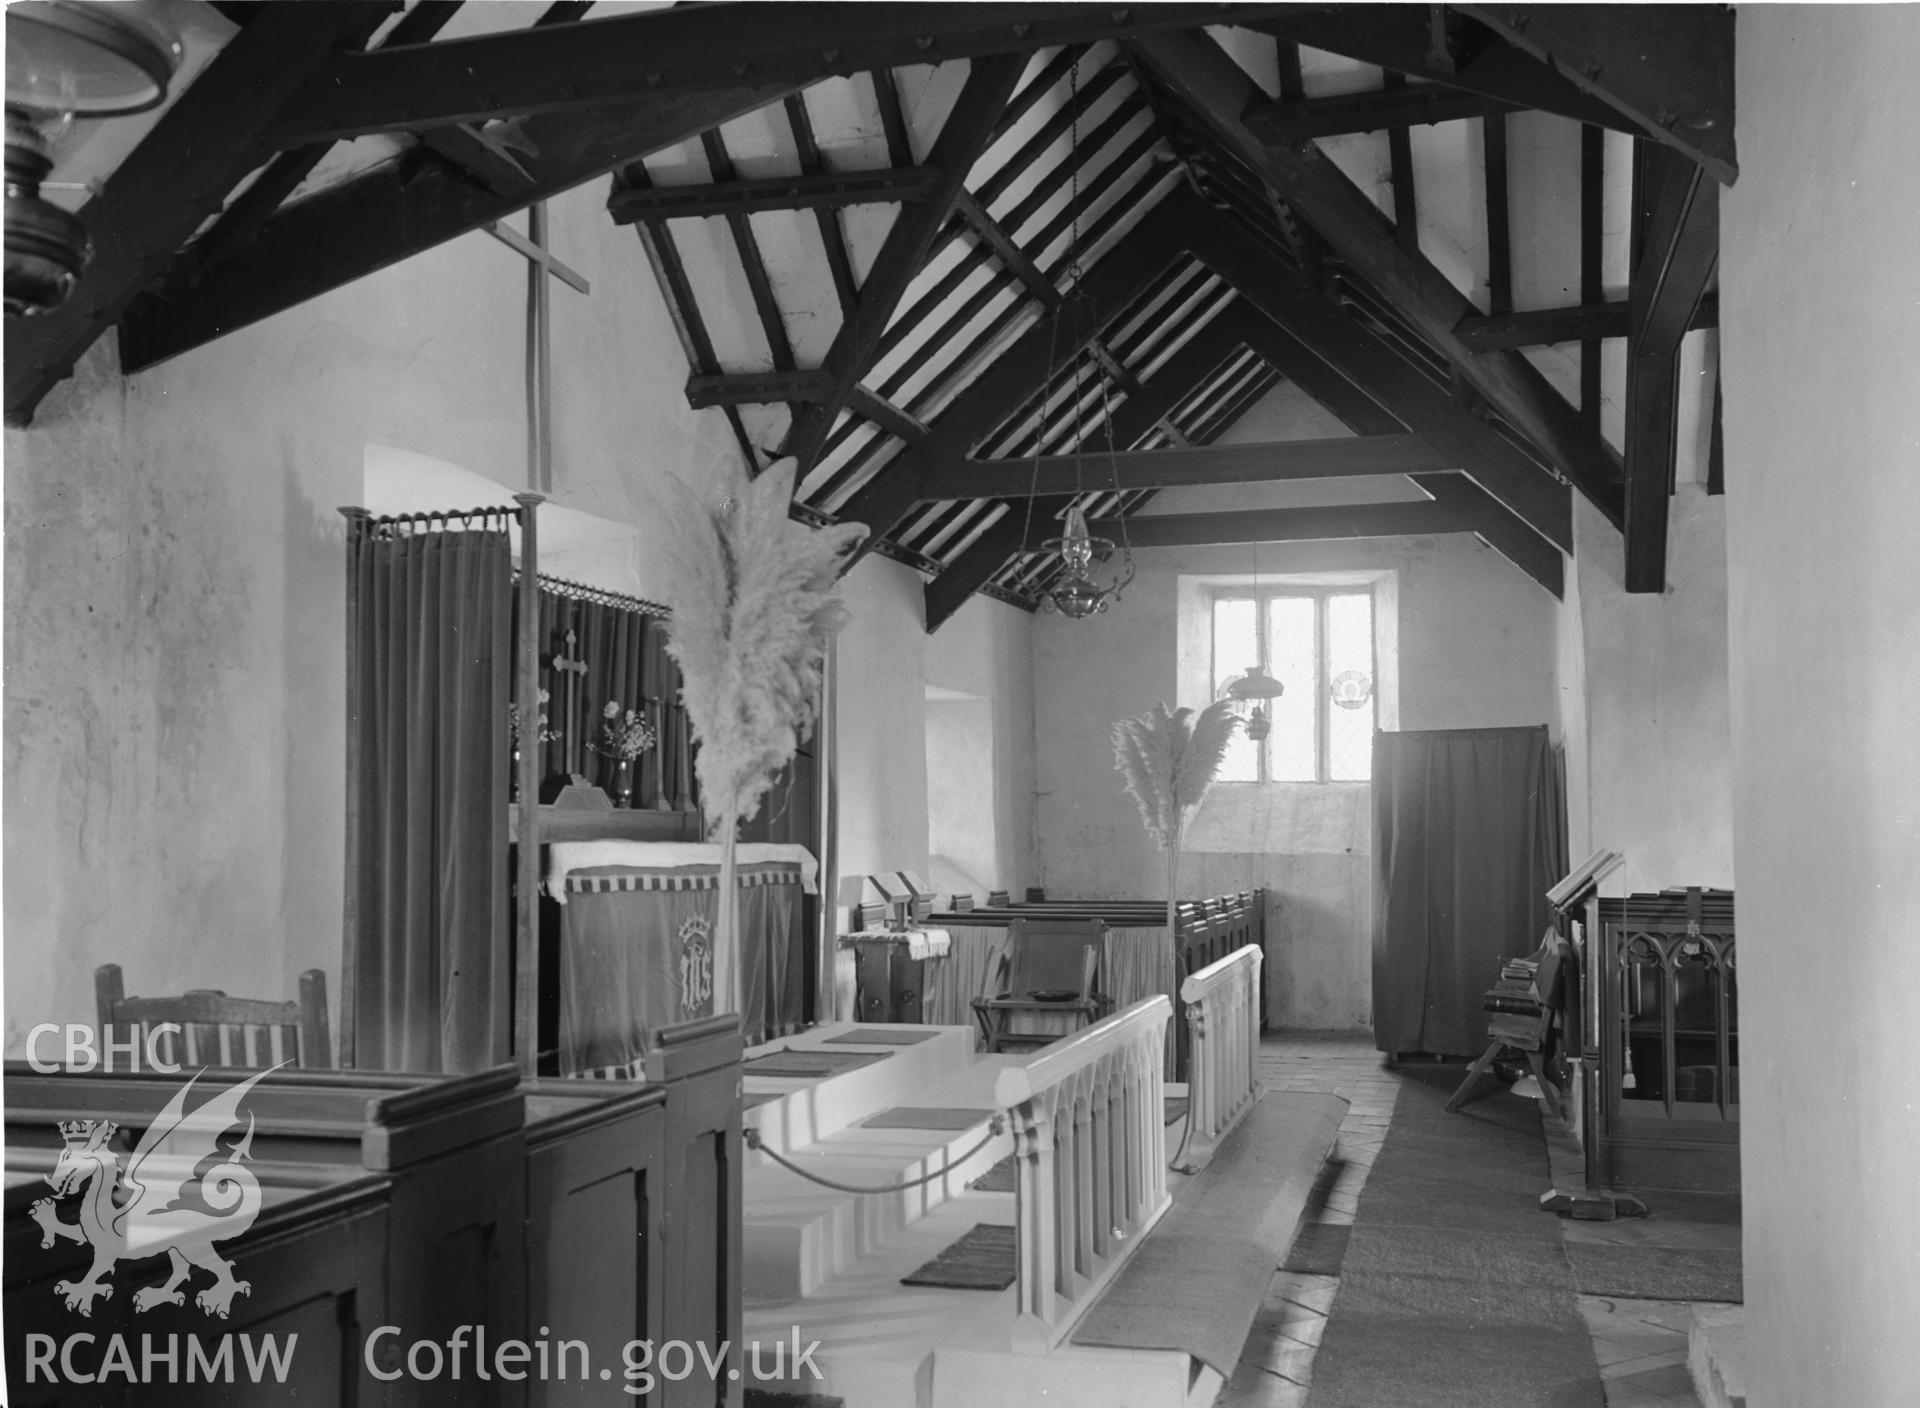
(1455, 1290)
(1197, 1280)
(798, 1063)
(983, 1259)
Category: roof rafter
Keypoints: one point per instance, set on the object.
(757, 388)
(396, 211)
(595, 62)
(832, 237)
(1008, 382)
(1172, 467)
(1219, 90)
(1357, 355)
(1667, 68)
(1503, 530)
(804, 192)
(1542, 327)
(1681, 251)
(990, 83)
(1400, 37)
(1413, 106)
(200, 148)
(1171, 383)
(283, 175)
(1411, 518)
(1499, 528)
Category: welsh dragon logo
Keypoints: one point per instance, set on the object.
(164, 1203)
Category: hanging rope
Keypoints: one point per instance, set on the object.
(995, 1128)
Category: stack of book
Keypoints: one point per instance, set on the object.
(1518, 989)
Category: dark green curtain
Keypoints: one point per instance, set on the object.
(429, 672)
(1469, 833)
(624, 649)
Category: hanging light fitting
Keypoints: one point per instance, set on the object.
(1075, 593)
(67, 59)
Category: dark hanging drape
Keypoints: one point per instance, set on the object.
(623, 644)
(1468, 836)
(429, 675)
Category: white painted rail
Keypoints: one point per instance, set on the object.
(1222, 1004)
(1090, 1146)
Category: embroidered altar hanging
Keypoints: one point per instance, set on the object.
(426, 977)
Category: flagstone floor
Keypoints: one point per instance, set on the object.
(1639, 1346)
(1276, 1365)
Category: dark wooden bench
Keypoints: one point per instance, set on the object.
(607, 1211)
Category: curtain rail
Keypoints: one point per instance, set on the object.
(367, 523)
(581, 591)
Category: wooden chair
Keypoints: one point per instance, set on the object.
(1054, 956)
(1528, 1033)
(217, 1030)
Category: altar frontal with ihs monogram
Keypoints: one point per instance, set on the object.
(639, 954)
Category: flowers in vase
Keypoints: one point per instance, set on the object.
(543, 734)
(623, 736)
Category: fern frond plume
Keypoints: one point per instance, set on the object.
(1168, 760)
(754, 600)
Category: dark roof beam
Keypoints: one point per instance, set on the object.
(1414, 106)
(817, 190)
(1348, 457)
(1216, 87)
(398, 210)
(1681, 251)
(1542, 327)
(568, 67)
(178, 176)
(1667, 68)
(990, 82)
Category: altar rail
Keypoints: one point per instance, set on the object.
(1222, 1006)
(1090, 1151)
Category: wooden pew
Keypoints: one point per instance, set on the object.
(384, 1201)
(597, 1212)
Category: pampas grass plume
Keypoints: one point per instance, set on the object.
(754, 603)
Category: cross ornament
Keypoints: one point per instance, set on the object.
(541, 265)
(575, 669)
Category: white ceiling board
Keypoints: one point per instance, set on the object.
(845, 113)
(1450, 199)
(790, 245)
(1324, 75)
(1285, 413)
(760, 143)
(1256, 53)
(1367, 162)
(1543, 192)
(927, 96)
(1698, 369)
(719, 283)
(1617, 220)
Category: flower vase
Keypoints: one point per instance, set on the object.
(623, 783)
